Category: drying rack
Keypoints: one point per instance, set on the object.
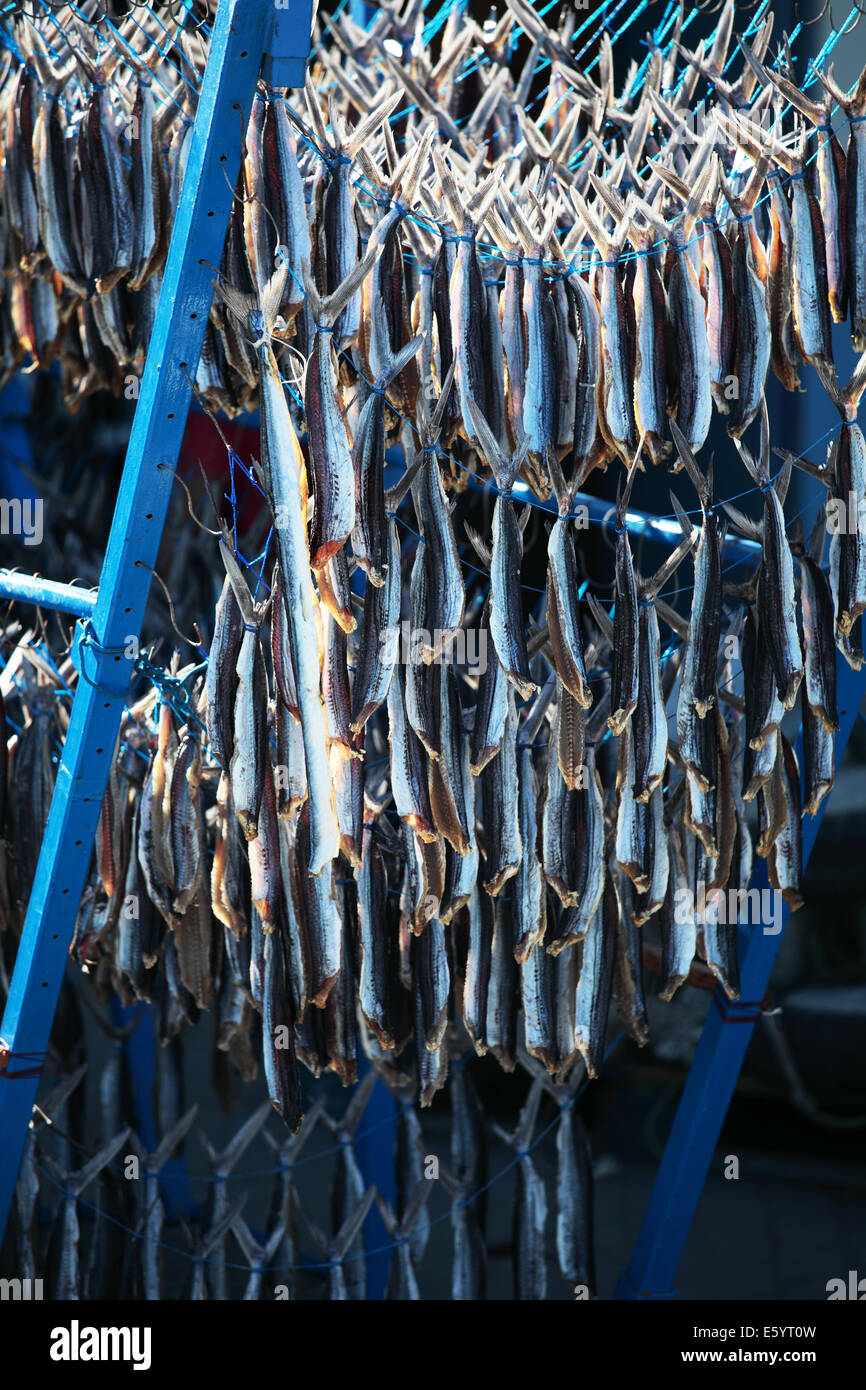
(253, 38)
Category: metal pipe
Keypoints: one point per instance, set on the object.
(599, 512)
(47, 593)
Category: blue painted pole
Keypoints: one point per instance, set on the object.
(31, 588)
(375, 1154)
(715, 1068)
(241, 36)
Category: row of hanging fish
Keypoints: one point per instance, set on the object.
(338, 846)
(110, 1225)
(498, 247)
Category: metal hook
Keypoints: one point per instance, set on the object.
(807, 23)
(193, 517)
(140, 564)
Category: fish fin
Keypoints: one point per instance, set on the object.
(272, 1244)
(700, 175)
(781, 483)
(601, 616)
(57, 1096)
(449, 187)
(397, 362)
(758, 475)
(528, 1115)
(163, 1153)
(441, 404)
(370, 124)
(482, 550)
(795, 537)
(538, 710)
(326, 311)
(606, 194)
(414, 1207)
(221, 1227)
(623, 494)
(563, 491)
(318, 1237)
(241, 305)
(854, 103)
(815, 544)
(504, 470)
(670, 566)
(482, 199)
(244, 1137)
(671, 181)
(717, 56)
(357, 1105)
(272, 296)
(682, 516)
(351, 1227)
(210, 1152)
(762, 74)
(238, 583)
(743, 523)
(315, 113)
(538, 1073)
(598, 237)
(815, 470)
(394, 495)
(253, 1252)
(389, 1217)
(701, 484)
(854, 388)
(76, 1182)
(456, 1190)
(817, 113)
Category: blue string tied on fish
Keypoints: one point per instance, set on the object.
(324, 328)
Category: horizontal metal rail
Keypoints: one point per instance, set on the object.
(47, 593)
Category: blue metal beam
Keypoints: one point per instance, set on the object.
(31, 588)
(241, 37)
(286, 63)
(715, 1068)
(374, 1149)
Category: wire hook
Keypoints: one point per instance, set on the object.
(140, 564)
(807, 23)
(845, 32)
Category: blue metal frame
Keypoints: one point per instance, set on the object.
(241, 38)
(716, 1067)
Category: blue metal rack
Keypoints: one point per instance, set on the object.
(253, 37)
